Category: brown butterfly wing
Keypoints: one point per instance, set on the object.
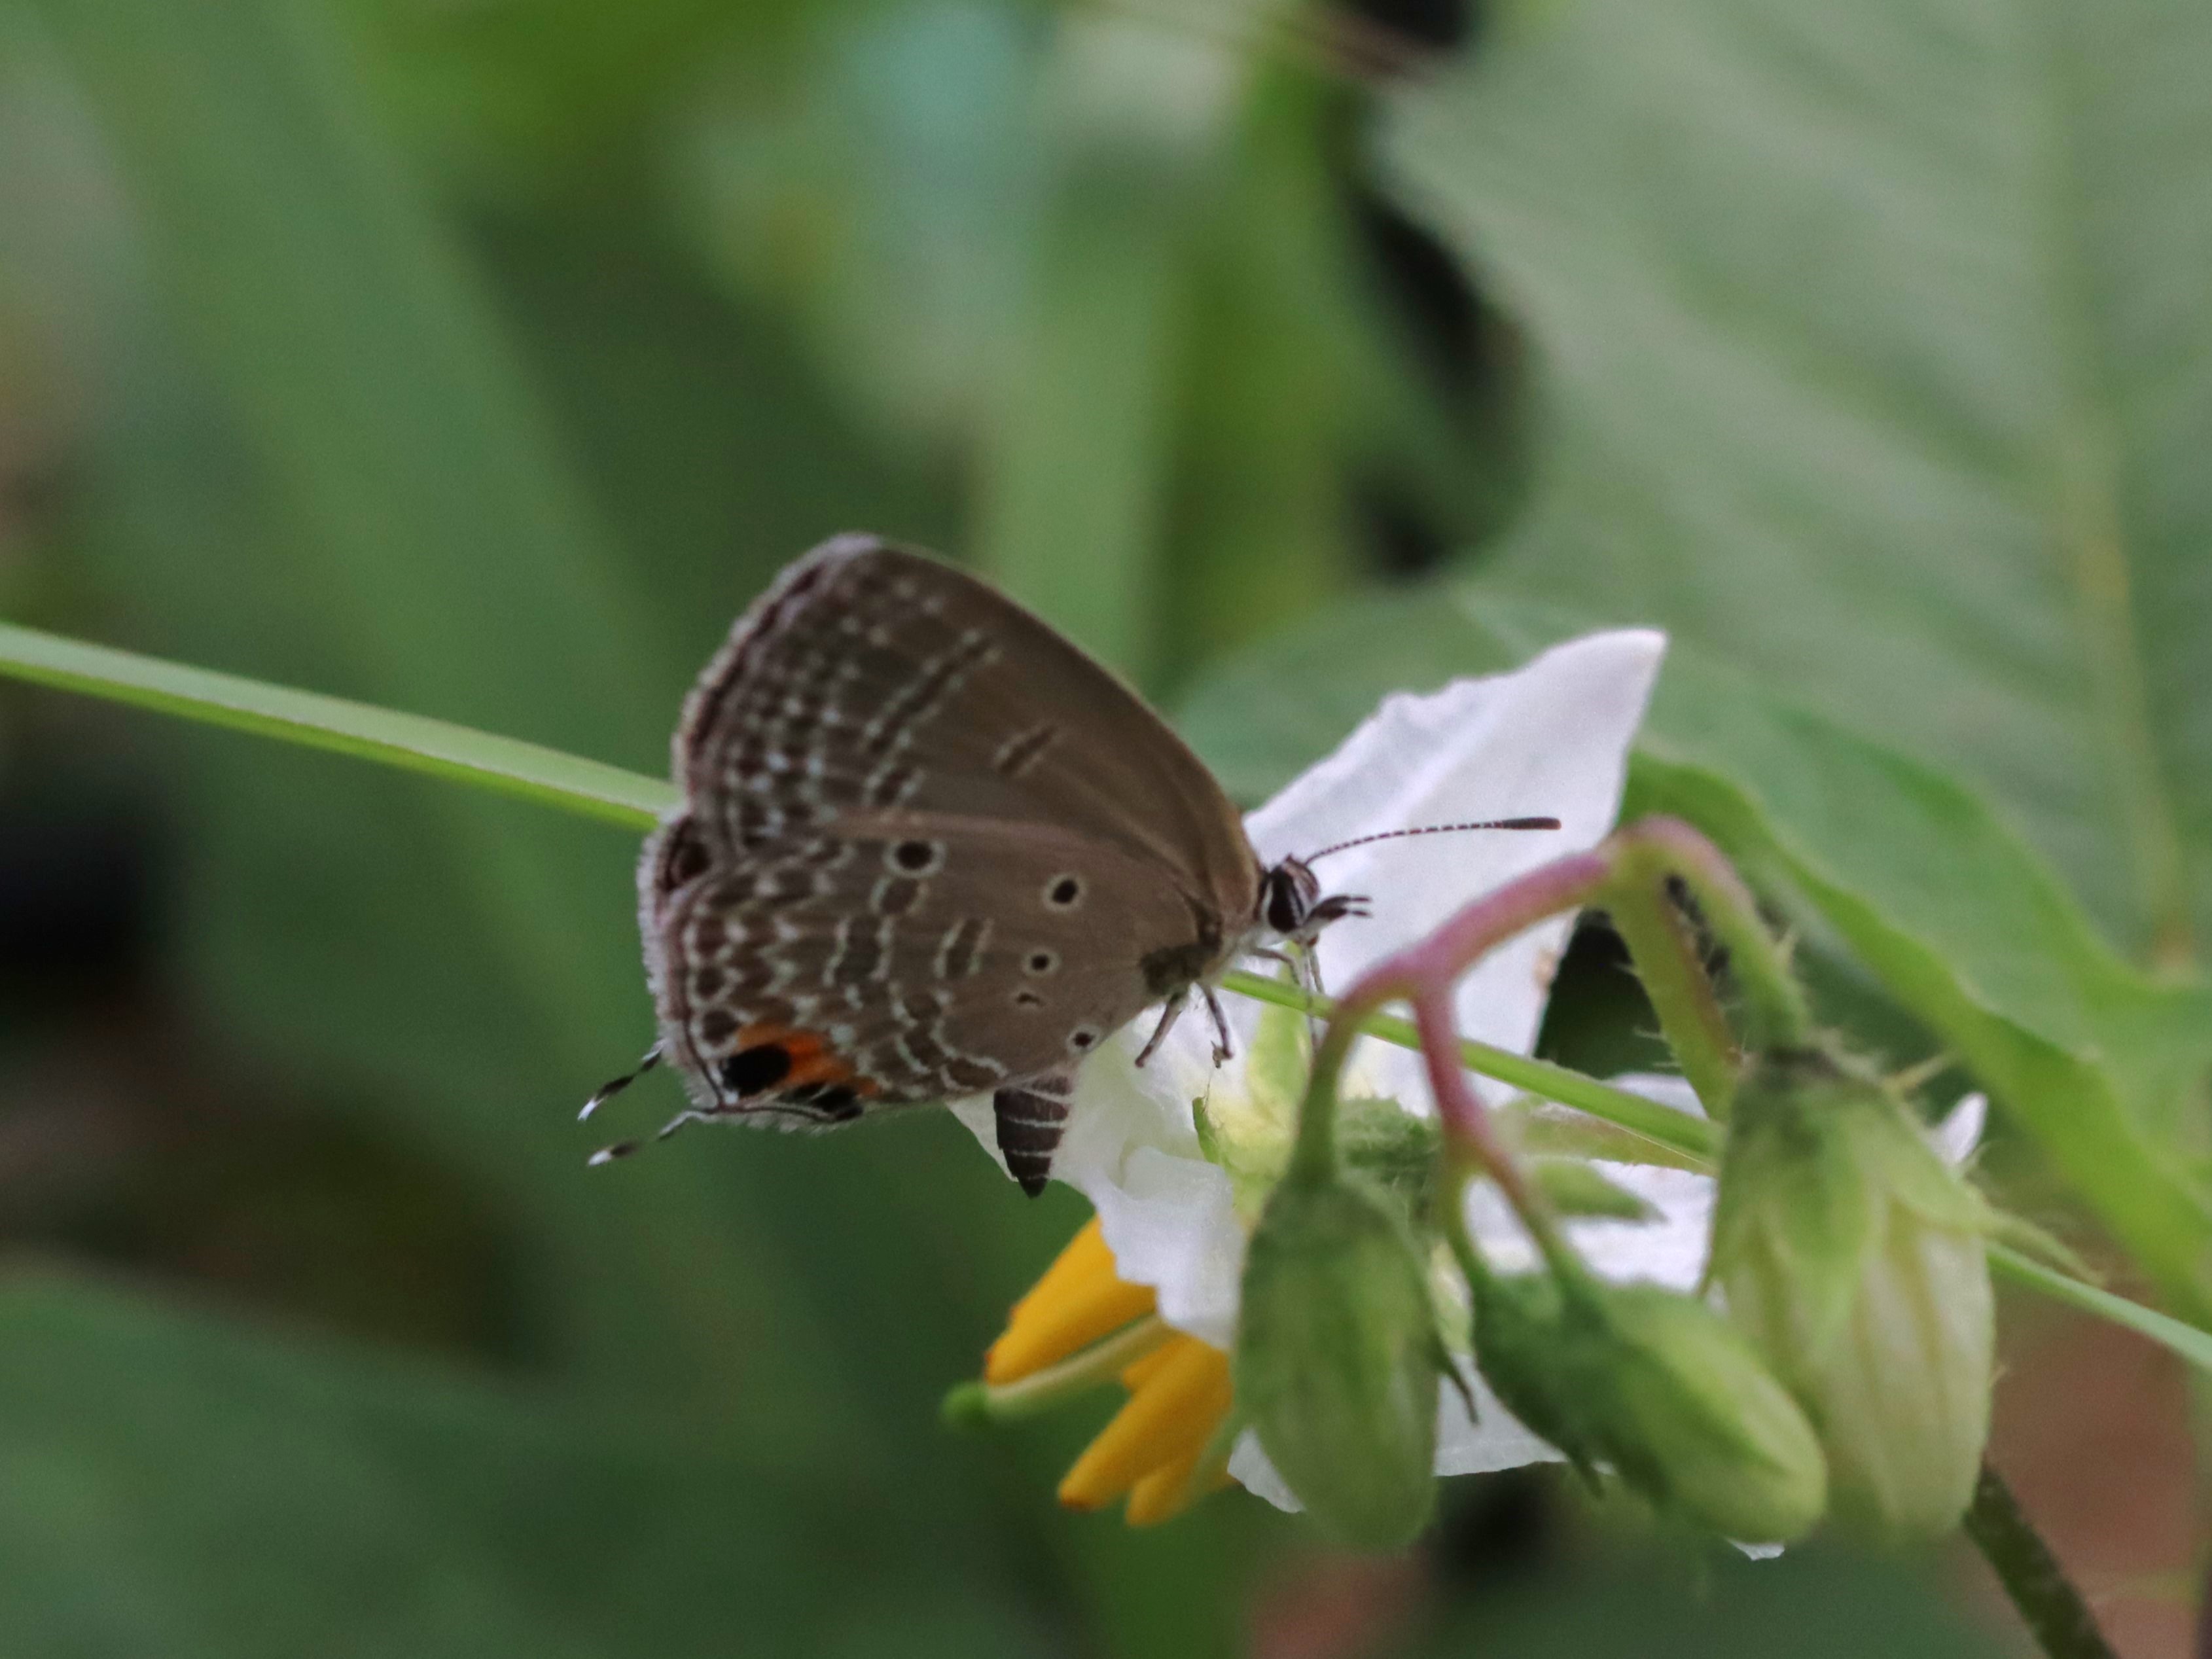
(872, 680)
(896, 961)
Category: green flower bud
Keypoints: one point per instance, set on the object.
(1337, 1360)
(1660, 1388)
(1855, 1258)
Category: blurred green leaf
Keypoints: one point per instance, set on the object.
(1876, 355)
(409, 741)
(173, 1483)
(1955, 916)
(434, 539)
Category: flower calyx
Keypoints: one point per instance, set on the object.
(1856, 1259)
(1661, 1389)
(1338, 1358)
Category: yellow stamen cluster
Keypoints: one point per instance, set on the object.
(1159, 1448)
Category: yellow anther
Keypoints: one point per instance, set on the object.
(1173, 1416)
(1078, 1300)
(1165, 1492)
(1138, 1371)
(1170, 1490)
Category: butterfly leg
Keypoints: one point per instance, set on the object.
(1169, 1015)
(608, 1090)
(1224, 1049)
(1030, 1117)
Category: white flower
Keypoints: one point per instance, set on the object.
(1550, 738)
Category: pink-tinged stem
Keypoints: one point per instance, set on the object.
(1629, 874)
(1470, 1131)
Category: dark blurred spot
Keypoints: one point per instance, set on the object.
(1443, 320)
(1435, 25)
(1493, 1529)
(77, 881)
(1598, 1020)
(1404, 542)
(130, 1138)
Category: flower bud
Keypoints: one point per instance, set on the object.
(1338, 1358)
(1660, 1387)
(1855, 1258)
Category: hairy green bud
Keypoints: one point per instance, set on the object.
(1856, 1259)
(1659, 1387)
(1337, 1360)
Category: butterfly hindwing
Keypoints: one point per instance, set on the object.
(899, 960)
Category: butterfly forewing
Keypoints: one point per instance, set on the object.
(929, 848)
(873, 679)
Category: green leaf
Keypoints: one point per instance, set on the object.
(179, 1484)
(1875, 355)
(427, 546)
(409, 741)
(1952, 913)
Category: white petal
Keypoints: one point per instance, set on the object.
(1490, 1440)
(1550, 738)
(1960, 1132)
(1167, 1214)
(1668, 1249)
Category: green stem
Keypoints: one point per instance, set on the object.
(1093, 1367)
(1458, 1175)
(1313, 1155)
(1675, 979)
(1473, 1140)
(1662, 1126)
(1775, 1010)
(2047, 1601)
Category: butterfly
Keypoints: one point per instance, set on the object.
(928, 848)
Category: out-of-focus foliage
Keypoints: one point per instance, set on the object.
(482, 360)
(1874, 346)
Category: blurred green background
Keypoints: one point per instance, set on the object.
(482, 357)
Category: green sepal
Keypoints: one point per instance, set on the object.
(1338, 1357)
(1576, 1188)
(1660, 1390)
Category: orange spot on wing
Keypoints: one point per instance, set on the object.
(812, 1060)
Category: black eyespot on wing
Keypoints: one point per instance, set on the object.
(1041, 962)
(751, 1070)
(916, 856)
(1064, 892)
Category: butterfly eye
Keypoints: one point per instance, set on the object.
(1064, 892)
(1286, 904)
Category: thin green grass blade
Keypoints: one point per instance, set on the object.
(413, 742)
(2185, 1340)
(592, 789)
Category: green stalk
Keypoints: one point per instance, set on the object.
(2048, 1602)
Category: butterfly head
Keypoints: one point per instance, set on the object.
(1292, 906)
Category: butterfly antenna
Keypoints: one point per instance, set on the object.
(608, 1090)
(1435, 829)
